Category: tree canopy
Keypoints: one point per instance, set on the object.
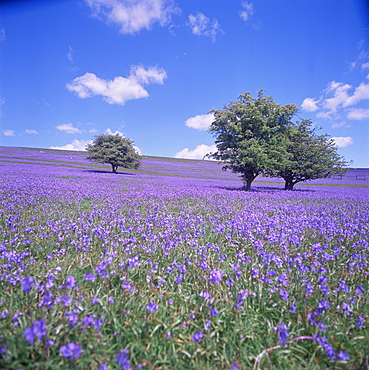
(249, 135)
(116, 150)
(310, 156)
(259, 136)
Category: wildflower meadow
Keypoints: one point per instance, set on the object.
(173, 266)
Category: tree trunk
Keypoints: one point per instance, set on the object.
(289, 184)
(114, 168)
(248, 182)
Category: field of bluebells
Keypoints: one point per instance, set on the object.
(172, 266)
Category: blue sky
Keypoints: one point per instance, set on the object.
(153, 69)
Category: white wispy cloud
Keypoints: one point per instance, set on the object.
(248, 10)
(2, 34)
(340, 124)
(200, 122)
(68, 128)
(310, 105)
(70, 54)
(30, 132)
(343, 141)
(339, 98)
(201, 25)
(120, 89)
(8, 132)
(131, 16)
(78, 145)
(198, 153)
(358, 114)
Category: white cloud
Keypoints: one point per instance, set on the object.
(9, 132)
(358, 114)
(343, 141)
(365, 65)
(78, 145)
(132, 16)
(120, 89)
(337, 98)
(68, 128)
(110, 132)
(2, 34)
(30, 132)
(198, 153)
(340, 124)
(361, 93)
(200, 122)
(70, 54)
(247, 12)
(310, 105)
(2, 102)
(200, 25)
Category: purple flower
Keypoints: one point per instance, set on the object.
(3, 349)
(152, 307)
(284, 294)
(111, 300)
(214, 312)
(71, 350)
(99, 322)
(70, 282)
(37, 329)
(293, 308)
(360, 322)
(343, 356)
(73, 318)
(91, 277)
(179, 278)
(197, 337)
(205, 295)
(4, 313)
(192, 316)
(88, 320)
(283, 334)
(27, 284)
(103, 367)
(95, 300)
(122, 360)
(346, 308)
(216, 276)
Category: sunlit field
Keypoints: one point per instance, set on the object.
(173, 266)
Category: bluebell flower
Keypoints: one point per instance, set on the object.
(27, 284)
(152, 307)
(70, 282)
(343, 356)
(71, 350)
(197, 337)
(36, 330)
(122, 360)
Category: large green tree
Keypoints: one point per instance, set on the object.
(116, 150)
(309, 156)
(250, 134)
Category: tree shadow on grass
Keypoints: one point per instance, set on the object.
(112, 173)
(266, 189)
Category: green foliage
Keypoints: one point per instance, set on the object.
(310, 156)
(115, 150)
(250, 134)
(258, 136)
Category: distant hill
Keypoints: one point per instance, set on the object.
(162, 166)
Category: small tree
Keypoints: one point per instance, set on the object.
(250, 135)
(310, 156)
(115, 150)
